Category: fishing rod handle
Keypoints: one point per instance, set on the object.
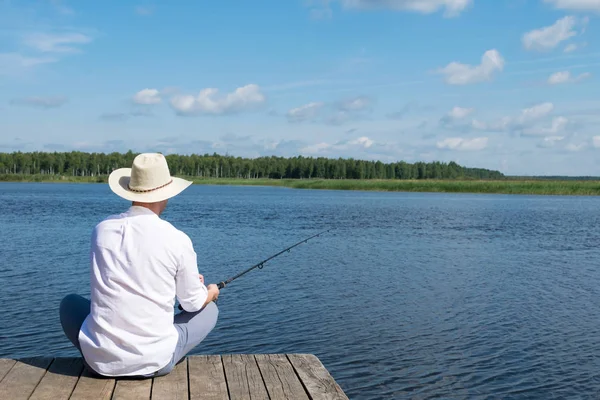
(220, 285)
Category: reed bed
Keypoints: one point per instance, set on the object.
(508, 186)
(537, 187)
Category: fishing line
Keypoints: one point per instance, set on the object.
(261, 264)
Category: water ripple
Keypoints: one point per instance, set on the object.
(411, 296)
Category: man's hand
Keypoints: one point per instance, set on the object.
(213, 293)
(201, 278)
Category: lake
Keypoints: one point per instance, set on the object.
(409, 296)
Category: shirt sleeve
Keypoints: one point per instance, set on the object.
(191, 293)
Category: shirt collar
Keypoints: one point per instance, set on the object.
(137, 210)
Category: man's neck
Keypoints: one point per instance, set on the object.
(154, 207)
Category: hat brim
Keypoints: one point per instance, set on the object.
(118, 181)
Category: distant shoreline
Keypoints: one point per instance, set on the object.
(508, 186)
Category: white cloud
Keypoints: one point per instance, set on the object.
(549, 37)
(362, 141)
(576, 147)
(565, 77)
(549, 141)
(356, 145)
(460, 112)
(596, 141)
(14, 63)
(359, 103)
(584, 22)
(349, 109)
(534, 113)
(553, 139)
(526, 122)
(208, 101)
(559, 124)
(463, 74)
(501, 125)
(40, 102)
(56, 43)
(451, 8)
(147, 97)
(575, 5)
(462, 144)
(536, 120)
(335, 113)
(307, 112)
(316, 148)
(571, 47)
(559, 77)
(455, 118)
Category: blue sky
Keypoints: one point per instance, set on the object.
(510, 85)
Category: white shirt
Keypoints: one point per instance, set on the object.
(139, 264)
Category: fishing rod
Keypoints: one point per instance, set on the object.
(261, 264)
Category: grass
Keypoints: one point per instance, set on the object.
(538, 187)
(514, 186)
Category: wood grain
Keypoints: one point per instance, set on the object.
(23, 378)
(280, 378)
(317, 380)
(91, 388)
(5, 366)
(173, 386)
(132, 389)
(59, 381)
(207, 379)
(243, 378)
(203, 377)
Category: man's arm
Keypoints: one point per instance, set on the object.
(213, 291)
(191, 292)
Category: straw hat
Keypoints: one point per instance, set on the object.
(148, 181)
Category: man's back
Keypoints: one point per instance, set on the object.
(139, 263)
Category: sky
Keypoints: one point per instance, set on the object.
(509, 85)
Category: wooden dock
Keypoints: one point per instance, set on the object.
(237, 376)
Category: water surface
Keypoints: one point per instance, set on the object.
(411, 295)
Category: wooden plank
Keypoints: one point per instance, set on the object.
(207, 379)
(132, 389)
(5, 365)
(317, 380)
(91, 388)
(173, 386)
(59, 381)
(243, 377)
(280, 378)
(24, 376)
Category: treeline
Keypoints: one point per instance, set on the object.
(77, 163)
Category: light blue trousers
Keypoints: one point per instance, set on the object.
(193, 328)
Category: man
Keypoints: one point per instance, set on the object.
(139, 264)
